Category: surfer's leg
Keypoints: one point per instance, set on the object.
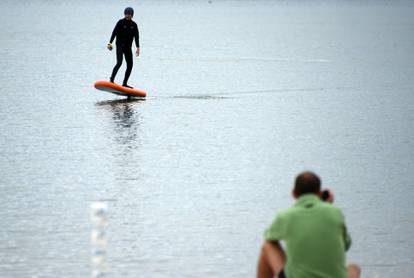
(129, 62)
(118, 63)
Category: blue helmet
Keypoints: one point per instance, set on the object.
(129, 10)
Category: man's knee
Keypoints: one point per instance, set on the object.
(268, 247)
(354, 271)
(129, 64)
(274, 255)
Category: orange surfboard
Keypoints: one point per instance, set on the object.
(118, 89)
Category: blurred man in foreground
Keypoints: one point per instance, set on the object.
(314, 233)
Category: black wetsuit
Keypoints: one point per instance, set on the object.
(125, 31)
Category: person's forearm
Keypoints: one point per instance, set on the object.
(112, 37)
(137, 38)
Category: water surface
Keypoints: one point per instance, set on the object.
(243, 95)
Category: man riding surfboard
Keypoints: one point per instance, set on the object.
(125, 31)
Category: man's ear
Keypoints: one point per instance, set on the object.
(295, 196)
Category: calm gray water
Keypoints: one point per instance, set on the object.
(243, 95)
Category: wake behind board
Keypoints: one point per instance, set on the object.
(118, 89)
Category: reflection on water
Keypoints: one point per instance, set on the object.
(123, 121)
(126, 119)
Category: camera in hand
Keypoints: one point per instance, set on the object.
(325, 195)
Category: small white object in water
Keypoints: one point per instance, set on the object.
(98, 239)
(98, 213)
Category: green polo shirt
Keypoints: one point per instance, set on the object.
(315, 236)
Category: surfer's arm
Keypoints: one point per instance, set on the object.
(136, 36)
(114, 32)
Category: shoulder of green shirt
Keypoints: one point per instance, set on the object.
(276, 229)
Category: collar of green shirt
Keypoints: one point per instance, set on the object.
(307, 199)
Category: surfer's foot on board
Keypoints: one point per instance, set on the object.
(126, 85)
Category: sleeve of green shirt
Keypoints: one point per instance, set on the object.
(276, 231)
(347, 237)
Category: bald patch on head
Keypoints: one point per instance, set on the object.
(307, 182)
